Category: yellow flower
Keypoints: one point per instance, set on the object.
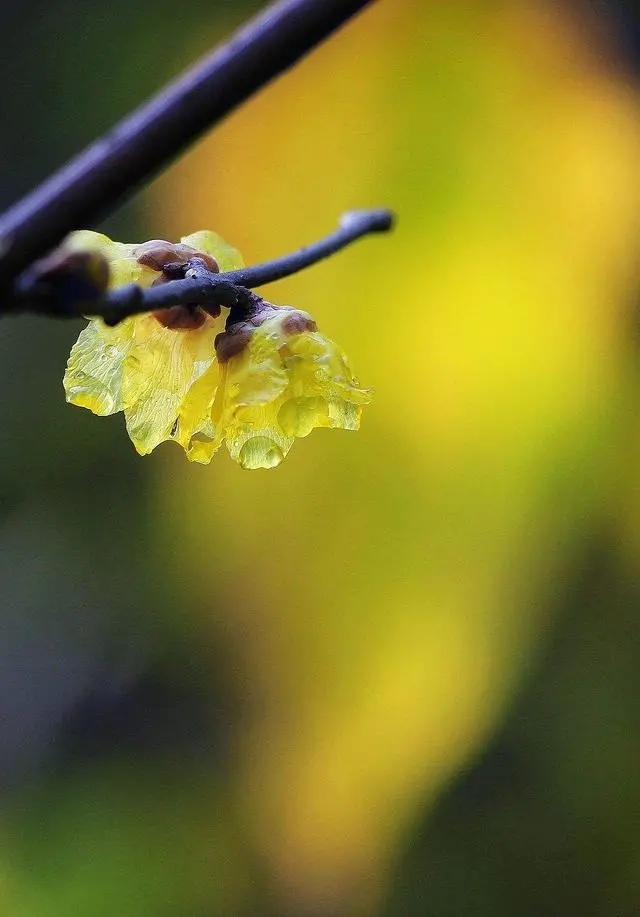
(279, 378)
(146, 364)
(178, 376)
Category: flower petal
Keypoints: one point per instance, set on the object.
(195, 430)
(123, 264)
(270, 377)
(317, 366)
(94, 375)
(254, 438)
(159, 369)
(228, 257)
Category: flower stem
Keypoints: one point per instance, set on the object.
(228, 289)
(353, 225)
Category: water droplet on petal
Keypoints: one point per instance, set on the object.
(260, 452)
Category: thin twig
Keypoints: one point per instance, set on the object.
(96, 181)
(353, 225)
(203, 287)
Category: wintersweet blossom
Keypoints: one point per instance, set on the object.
(264, 380)
(145, 365)
(279, 378)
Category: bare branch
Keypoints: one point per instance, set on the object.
(98, 179)
(201, 286)
(353, 225)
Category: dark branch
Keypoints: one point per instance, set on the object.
(206, 288)
(353, 225)
(201, 286)
(94, 182)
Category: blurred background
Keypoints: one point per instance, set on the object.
(399, 675)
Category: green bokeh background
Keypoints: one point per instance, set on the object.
(400, 673)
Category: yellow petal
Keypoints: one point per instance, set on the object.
(286, 379)
(254, 438)
(87, 240)
(159, 369)
(128, 270)
(298, 416)
(258, 372)
(317, 366)
(196, 432)
(123, 265)
(250, 430)
(228, 257)
(94, 375)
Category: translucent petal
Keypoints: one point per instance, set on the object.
(279, 378)
(128, 270)
(258, 372)
(282, 385)
(202, 447)
(299, 416)
(228, 257)
(159, 369)
(87, 240)
(123, 265)
(195, 430)
(317, 366)
(254, 438)
(94, 375)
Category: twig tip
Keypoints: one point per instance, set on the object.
(376, 220)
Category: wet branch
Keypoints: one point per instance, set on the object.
(97, 180)
(203, 287)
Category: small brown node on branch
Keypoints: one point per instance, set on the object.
(298, 322)
(159, 254)
(67, 280)
(233, 341)
(181, 318)
(173, 260)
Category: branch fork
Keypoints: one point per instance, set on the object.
(45, 289)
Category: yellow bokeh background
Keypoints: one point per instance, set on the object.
(398, 673)
(382, 594)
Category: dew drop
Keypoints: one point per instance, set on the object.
(260, 452)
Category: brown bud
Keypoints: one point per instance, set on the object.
(181, 318)
(232, 342)
(297, 322)
(157, 254)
